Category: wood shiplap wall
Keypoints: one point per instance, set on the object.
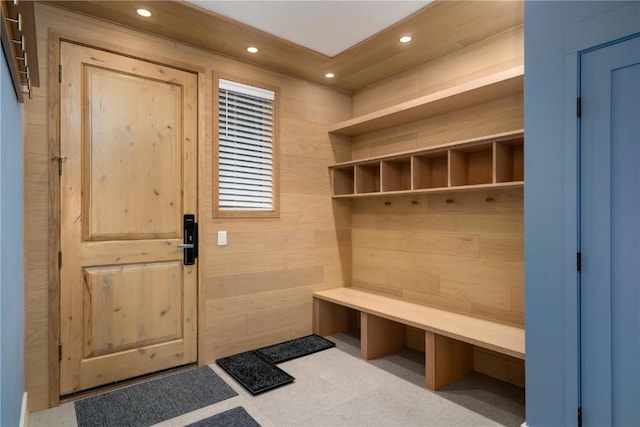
(256, 290)
(500, 52)
(453, 250)
(463, 255)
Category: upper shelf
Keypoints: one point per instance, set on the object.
(488, 88)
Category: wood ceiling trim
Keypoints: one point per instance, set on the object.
(438, 29)
(185, 23)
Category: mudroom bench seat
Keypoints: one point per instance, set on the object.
(449, 337)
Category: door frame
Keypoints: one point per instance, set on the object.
(587, 35)
(581, 372)
(53, 115)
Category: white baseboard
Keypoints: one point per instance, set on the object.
(24, 416)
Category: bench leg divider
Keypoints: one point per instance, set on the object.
(329, 318)
(446, 360)
(379, 336)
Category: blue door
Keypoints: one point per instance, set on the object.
(610, 235)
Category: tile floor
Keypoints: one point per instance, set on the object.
(337, 388)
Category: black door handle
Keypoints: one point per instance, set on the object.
(190, 239)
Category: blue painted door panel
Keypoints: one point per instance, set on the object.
(610, 235)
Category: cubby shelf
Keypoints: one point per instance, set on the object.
(485, 89)
(489, 162)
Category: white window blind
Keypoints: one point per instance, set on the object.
(245, 133)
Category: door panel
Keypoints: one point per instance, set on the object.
(610, 235)
(146, 302)
(130, 141)
(128, 130)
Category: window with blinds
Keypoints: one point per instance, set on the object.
(245, 148)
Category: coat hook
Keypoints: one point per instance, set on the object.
(449, 201)
(387, 203)
(20, 41)
(414, 202)
(23, 58)
(17, 20)
(489, 199)
(28, 91)
(25, 73)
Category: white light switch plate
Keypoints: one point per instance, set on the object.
(222, 238)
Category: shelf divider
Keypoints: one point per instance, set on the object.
(368, 178)
(395, 174)
(343, 180)
(430, 170)
(509, 160)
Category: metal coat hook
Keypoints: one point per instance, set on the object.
(449, 201)
(414, 202)
(21, 42)
(27, 82)
(23, 58)
(28, 85)
(17, 20)
(489, 199)
(387, 203)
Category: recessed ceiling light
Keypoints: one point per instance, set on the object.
(405, 39)
(329, 75)
(252, 49)
(144, 12)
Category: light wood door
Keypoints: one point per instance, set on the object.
(128, 130)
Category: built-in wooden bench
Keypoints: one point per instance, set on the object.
(449, 337)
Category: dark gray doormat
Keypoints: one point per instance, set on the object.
(295, 348)
(236, 417)
(154, 401)
(254, 372)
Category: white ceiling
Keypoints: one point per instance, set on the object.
(326, 26)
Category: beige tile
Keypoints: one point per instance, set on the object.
(337, 388)
(61, 416)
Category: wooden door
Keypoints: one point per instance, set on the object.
(128, 131)
(610, 235)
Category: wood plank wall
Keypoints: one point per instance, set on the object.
(492, 55)
(254, 291)
(452, 250)
(466, 254)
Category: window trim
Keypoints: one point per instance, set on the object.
(217, 212)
